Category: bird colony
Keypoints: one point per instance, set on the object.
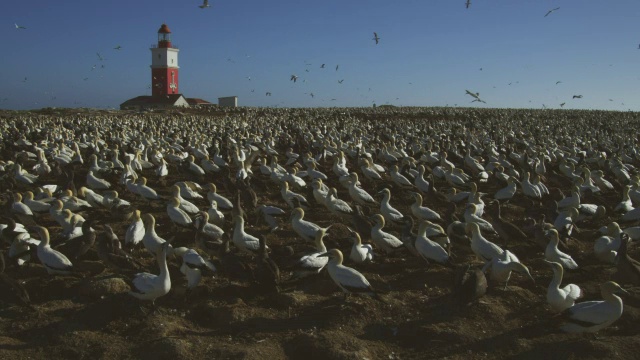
(409, 231)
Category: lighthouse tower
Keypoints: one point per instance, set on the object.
(164, 65)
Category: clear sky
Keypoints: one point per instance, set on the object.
(430, 52)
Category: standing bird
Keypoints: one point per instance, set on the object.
(193, 265)
(591, 316)
(360, 253)
(135, 231)
(312, 263)
(375, 37)
(348, 279)
(628, 267)
(561, 299)
(147, 286)
(268, 272)
(54, 261)
(552, 253)
(384, 240)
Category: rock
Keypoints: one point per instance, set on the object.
(104, 287)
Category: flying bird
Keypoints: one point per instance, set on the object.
(558, 82)
(337, 66)
(550, 11)
(294, 78)
(99, 56)
(476, 96)
(268, 94)
(375, 37)
(20, 27)
(117, 47)
(340, 81)
(468, 3)
(322, 66)
(205, 4)
(577, 96)
(562, 105)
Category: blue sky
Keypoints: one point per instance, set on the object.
(430, 52)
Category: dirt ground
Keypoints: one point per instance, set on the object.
(89, 315)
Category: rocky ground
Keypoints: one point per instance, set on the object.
(89, 315)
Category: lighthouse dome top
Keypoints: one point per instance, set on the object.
(164, 29)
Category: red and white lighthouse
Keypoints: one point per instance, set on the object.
(164, 65)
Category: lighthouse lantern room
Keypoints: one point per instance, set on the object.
(164, 65)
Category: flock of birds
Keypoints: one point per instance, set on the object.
(77, 178)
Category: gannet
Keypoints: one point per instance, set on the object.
(135, 231)
(222, 202)
(96, 183)
(288, 196)
(215, 215)
(389, 213)
(305, 229)
(74, 203)
(591, 316)
(151, 240)
(428, 249)
(53, 261)
(320, 191)
(177, 215)
(18, 207)
(212, 231)
(422, 212)
(312, 264)
(605, 247)
(189, 189)
(398, 178)
(243, 241)
(147, 286)
(35, 205)
(528, 189)
(471, 217)
(501, 267)
(483, 248)
(507, 192)
(93, 198)
(193, 265)
(552, 253)
(358, 194)
(625, 204)
(360, 252)
(337, 206)
(381, 239)
(561, 299)
(267, 273)
(348, 279)
(23, 176)
(185, 205)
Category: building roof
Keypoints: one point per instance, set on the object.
(196, 101)
(153, 100)
(164, 29)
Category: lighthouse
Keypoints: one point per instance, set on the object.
(164, 65)
(164, 79)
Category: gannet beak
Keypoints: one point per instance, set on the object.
(623, 291)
